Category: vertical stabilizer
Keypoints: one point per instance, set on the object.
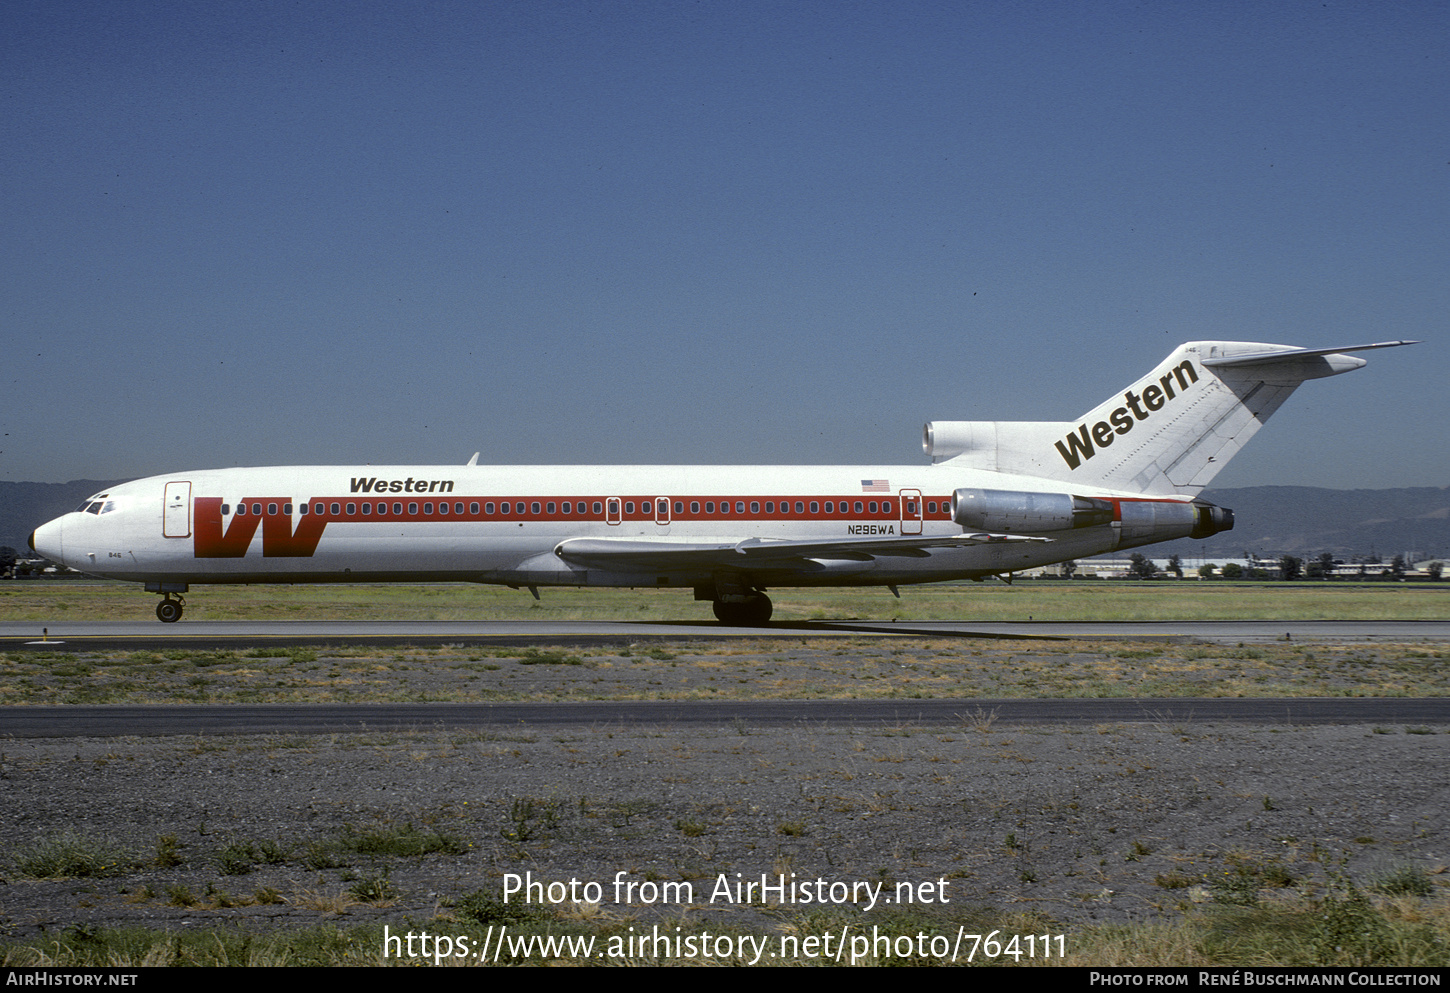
(1170, 432)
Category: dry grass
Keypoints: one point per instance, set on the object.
(55, 601)
(745, 669)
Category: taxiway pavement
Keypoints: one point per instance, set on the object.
(143, 634)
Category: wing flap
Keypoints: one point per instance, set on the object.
(618, 552)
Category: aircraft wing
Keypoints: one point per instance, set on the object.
(618, 552)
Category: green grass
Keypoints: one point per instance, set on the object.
(1041, 600)
(72, 855)
(1342, 927)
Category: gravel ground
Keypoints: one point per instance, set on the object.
(1083, 825)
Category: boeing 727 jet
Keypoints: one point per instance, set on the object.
(998, 497)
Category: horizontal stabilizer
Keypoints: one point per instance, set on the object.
(1293, 354)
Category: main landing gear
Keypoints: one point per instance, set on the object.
(753, 610)
(168, 611)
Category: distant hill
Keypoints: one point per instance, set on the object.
(1268, 520)
(1304, 520)
(26, 506)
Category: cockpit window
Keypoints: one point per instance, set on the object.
(91, 504)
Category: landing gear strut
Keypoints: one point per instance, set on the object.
(168, 611)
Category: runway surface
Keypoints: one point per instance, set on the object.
(192, 719)
(131, 635)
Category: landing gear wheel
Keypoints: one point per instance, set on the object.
(753, 610)
(168, 611)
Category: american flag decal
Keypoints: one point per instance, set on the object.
(875, 486)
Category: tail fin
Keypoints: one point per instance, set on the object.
(1170, 432)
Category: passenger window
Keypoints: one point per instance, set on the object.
(598, 507)
(227, 510)
(367, 508)
(754, 507)
(336, 508)
(488, 509)
(397, 509)
(800, 507)
(351, 509)
(317, 508)
(858, 506)
(629, 506)
(886, 507)
(739, 506)
(412, 508)
(286, 508)
(427, 508)
(679, 506)
(534, 508)
(770, 507)
(458, 508)
(709, 506)
(830, 506)
(443, 508)
(551, 506)
(815, 507)
(694, 506)
(473, 508)
(256, 509)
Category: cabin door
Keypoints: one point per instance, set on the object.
(176, 512)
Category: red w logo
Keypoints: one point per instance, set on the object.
(278, 538)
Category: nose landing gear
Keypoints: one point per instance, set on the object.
(168, 611)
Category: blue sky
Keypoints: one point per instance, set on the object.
(260, 233)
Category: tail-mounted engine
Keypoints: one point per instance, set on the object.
(1209, 519)
(1141, 520)
(1012, 511)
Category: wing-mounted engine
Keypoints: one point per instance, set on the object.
(1014, 511)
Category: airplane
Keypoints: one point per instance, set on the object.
(998, 497)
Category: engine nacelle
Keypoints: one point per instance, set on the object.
(1211, 519)
(944, 440)
(1033, 513)
(1144, 522)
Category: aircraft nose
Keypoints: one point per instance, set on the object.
(46, 540)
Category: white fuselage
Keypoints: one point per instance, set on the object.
(503, 524)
